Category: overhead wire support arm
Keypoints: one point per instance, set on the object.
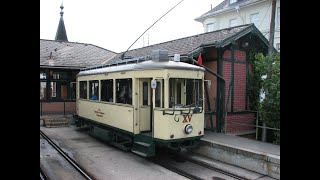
(122, 56)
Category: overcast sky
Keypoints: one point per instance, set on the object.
(116, 24)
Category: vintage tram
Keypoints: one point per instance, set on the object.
(143, 103)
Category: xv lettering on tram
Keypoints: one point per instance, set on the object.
(187, 118)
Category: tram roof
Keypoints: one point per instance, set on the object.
(145, 65)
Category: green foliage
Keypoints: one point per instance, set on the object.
(254, 82)
(268, 67)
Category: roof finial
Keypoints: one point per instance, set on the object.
(61, 7)
(61, 34)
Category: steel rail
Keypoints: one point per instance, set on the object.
(43, 175)
(65, 155)
(215, 169)
(176, 170)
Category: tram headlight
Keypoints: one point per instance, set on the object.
(188, 129)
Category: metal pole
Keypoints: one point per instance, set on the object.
(257, 129)
(40, 108)
(270, 50)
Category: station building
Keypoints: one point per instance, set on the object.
(60, 62)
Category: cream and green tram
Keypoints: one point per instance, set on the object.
(140, 106)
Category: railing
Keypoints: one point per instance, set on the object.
(270, 134)
(263, 133)
(59, 106)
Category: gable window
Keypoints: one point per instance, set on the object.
(254, 18)
(211, 27)
(232, 22)
(233, 1)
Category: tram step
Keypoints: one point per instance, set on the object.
(146, 148)
(143, 144)
(140, 153)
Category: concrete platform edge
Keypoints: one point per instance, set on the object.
(262, 163)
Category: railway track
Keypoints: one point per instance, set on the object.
(43, 176)
(193, 169)
(65, 156)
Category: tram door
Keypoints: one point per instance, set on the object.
(145, 105)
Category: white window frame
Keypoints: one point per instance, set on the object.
(278, 46)
(278, 17)
(256, 19)
(233, 1)
(233, 20)
(213, 27)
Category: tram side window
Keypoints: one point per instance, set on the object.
(124, 91)
(83, 89)
(94, 90)
(107, 90)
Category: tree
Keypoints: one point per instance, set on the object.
(268, 69)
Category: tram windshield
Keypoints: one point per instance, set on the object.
(185, 92)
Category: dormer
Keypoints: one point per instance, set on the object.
(233, 1)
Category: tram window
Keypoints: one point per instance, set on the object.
(83, 89)
(124, 91)
(194, 92)
(185, 92)
(158, 95)
(145, 93)
(107, 90)
(94, 90)
(176, 87)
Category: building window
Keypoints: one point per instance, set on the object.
(73, 90)
(278, 46)
(53, 89)
(233, 1)
(43, 90)
(254, 18)
(83, 89)
(43, 75)
(124, 91)
(55, 75)
(94, 90)
(278, 17)
(58, 75)
(211, 27)
(107, 90)
(232, 22)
